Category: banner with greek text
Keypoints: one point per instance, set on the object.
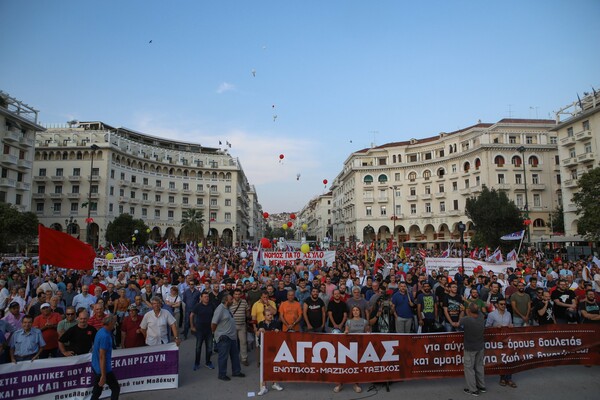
(117, 263)
(278, 258)
(452, 264)
(334, 358)
(137, 369)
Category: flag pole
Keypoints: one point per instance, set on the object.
(520, 243)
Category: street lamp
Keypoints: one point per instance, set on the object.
(461, 229)
(69, 225)
(210, 187)
(88, 220)
(521, 149)
(369, 230)
(394, 217)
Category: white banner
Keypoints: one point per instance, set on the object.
(272, 258)
(452, 264)
(117, 263)
(137, 369)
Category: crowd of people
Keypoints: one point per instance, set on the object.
(224, 300)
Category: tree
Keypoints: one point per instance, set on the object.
(557, 219)
(16, 228)
(192, 221)
(494, 215)
(588, 205)
(122, 230)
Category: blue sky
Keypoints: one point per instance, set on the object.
(341, 74)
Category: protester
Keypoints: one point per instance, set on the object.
(355, 324)
(47, 322)
(501, 317)
(131, 333)
(201, 319)
(241, 313)
(290, 313)
(473, 325)
(269, 325)
(26, 343)
(102, 361)
(78, 339)
(156, 323)
(223, 328)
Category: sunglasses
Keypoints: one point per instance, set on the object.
(501, 304)
(68, 314)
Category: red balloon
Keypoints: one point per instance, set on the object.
(324, 181)
(274, 241)
(293, 216)
(281, 156)
(266, 214)
(289, 224)
(89, 220)
(265, 243)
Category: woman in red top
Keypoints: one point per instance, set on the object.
(131, 334)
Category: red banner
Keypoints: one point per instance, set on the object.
(310, 357)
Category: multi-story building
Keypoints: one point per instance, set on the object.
(90, 172)
(416, 191)
(578, 150)
(18, 127)
(318, 217)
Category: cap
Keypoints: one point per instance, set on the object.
(45, 305)
(13, 304)
(132, 307)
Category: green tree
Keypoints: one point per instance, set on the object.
(16, 228)
(122, 230)
(192, 221)
(494, 215)
(588, 205)
(557, 219)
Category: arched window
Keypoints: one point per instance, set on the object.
(427, 174)
(368, 179)
(466, 166)
(539, 223)
(382, 178)
(533, 161)
(516, 161)
(477, 163)
(499, 161)
(412, 176)
(441, 172)
(394, 158)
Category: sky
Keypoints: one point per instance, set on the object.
(339, 75)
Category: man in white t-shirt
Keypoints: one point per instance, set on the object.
(155, 324)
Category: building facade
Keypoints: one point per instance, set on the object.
(96, 171)
(317, 215)
(18, 128)
(415, 191)
(579, 150)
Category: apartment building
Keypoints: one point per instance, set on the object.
(91, 172)
(416, 190)
(18, 128)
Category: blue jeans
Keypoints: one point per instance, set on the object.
(228, 348)
(206, 338)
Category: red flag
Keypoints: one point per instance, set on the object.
(64, 251)
(390, 245)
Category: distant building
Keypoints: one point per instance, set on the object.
(152, 178)
(18, 128)
(318, 217)
(416, 190)
(578, 150)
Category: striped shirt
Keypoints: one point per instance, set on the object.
(239, 311)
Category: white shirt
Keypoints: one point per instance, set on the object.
(157, 328)
(4, 295)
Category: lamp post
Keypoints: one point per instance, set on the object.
(69, 225)
(521, 149)
(394, 218)
(89, 206)
(461, 229)
(210, 187)
(369, 230)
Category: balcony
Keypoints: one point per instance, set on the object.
(476, 189)
(583, 135)
(40, 178)
(75, 178)
(519, 187)
(123, 182)
(426, 215)
(426, 196)
(368, 200)
(454, 213)
(147, 187)
(186, 206)
(159, 204)
(24, 164)
(570, 183)
(382, 199)
(502, 186)
(159, 189)
(56, 195)
(57, 178)
(586, 157)
(569, 162)
(146, 202)
(200, 192)
(135, 201)
(38, 195)
(23, 186)
(94, 196)
(186, 191)
(567, 140)
(8, 159)
(465, 191)
(73, 195)
(440, 195)
(173, 190)
(136, 185)
(537, 186)
(7, 182)
(172, 205)
(94, 178)
(26, 142)
(411, 198)
(12, 136)
(123, 199)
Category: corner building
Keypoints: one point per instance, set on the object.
(416, 190)
(114, 171)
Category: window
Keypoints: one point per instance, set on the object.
(227, 217)
(158, 183)
(529, 139)
(144, 212)
(573, 174)
(74, 207)
(79, 155)
(427, 189)
(533, 161)
(76, 171)
(478, 163)
(587, 147)
(441, 188)
(412, 158)
(553, 140)
(537, 200)
(228, 189)
(39, 207)
(441, 172)
(122, 192)
(122, 176)
(42, 172)
(557, 160)
(512, 139)
(132, 211)
(186, 186)
(382, 161)
(110, 207)
(413, 191)
(466, 166)
(382, 178)
(570, 132)
(157, 198)
(466, 183)
(56, 207)
(144, 196)
(427, 174)
(398, 209)
(441, 153)
(227, 202)
(427, 207)
(199, 187)
(516, 161)
(477, 180)
(539, 223)
(413, 209)
(454, 186)
(535, 179)
(369, 211)
(519, 200)
(59, 172)
(213, 216)
(156, 213)
(41, 189)
(132, 194)
(75, 189)
(171, 199)
(171, 185)
(120, 209)
(572, 153)
(200, 202)
(442, 206)
(501, 178)
(397, 176)
(185, 200)
(94, 188)
(455, 203)
(586, 125)
(412, 176)
(145, 181)
(453, 168)
(518, 179)
(58, 189)
(558, 180)
(368, 179)
(428, 156)
(95, 171)
(112, 174)
(383, 211)
(18, 199)
(499, 161)
(213, 202)
(213, 188)
(133, 178)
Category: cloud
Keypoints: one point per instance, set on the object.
(225, 87)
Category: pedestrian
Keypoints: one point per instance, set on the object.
(223, 327)
(26, 343)
(355, 324)
(78, 339)
(200, 320)
(155, 324)
(268, 325)
(102, 361)
(474, 326)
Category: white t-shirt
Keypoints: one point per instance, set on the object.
(157, 327)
